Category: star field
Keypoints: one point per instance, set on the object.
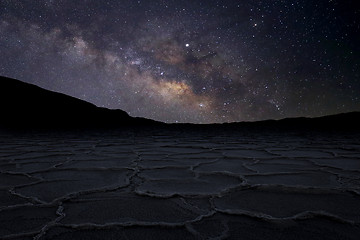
(189, 61)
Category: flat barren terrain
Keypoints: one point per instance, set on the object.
(176, 185)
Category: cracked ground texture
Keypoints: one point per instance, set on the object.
(174, 185)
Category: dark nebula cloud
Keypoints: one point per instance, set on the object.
(189, 61)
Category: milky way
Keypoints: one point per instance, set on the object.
(189, 61)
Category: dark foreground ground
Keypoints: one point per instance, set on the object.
(175, 185)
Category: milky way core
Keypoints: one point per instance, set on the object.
(189, 61)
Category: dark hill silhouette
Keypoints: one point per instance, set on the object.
(343, 121)
(24, 105)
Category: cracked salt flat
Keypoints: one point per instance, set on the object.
(300, 179)
(13, 179)
(25, 219)
(202, 185)
(179, 186)
(7, 199)
(57, 184)
(233, 166)
(273, 202)
(128, 208)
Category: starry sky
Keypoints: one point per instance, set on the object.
(189, 61)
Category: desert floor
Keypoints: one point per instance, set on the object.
(176, 185)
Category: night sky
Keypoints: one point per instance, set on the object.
(189, 61)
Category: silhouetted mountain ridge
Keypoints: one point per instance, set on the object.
(23, 105)
(341, 121)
